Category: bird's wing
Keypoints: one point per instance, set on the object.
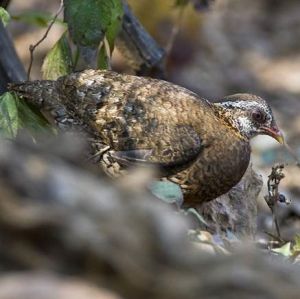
(172, 149)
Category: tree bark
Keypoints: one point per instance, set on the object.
(4, 3)
(140, 49)
(11, 68)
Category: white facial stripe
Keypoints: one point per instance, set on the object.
(243, 120)
(244, 105)
(244, 124)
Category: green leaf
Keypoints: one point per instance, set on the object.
(90, 20)
(296, 247)
(15, 114)
(32, 120)
(58, 61)
(4, 16)
(103, 59)
(167, 191)
(115, 24)
(285, 250)
(36, 18)
(9, 120)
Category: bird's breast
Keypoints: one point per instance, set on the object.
(219, 167)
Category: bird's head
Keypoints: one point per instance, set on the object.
(251, 115)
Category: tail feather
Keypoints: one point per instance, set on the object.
(42, 94)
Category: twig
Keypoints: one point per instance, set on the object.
(276, 239)
(293, 154)
(274, 196)
(33, 47)
(99, 153)
(175, 31)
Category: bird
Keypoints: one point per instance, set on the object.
(202, 146)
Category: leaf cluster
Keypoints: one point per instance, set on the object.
(90, 25)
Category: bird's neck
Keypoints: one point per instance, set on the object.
(229, 119)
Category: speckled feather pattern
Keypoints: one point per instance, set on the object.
(151, 121)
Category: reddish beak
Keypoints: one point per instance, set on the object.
(273, 132)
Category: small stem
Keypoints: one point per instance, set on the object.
(293, 154)
(273, 194)
(175, 31)
(76, 58)
(275, 221)
(108, 52)
(33, 47)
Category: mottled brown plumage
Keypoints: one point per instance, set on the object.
(199, 145)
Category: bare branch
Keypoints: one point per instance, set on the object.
(33, 47)
(140, 49)
(274, 196)
(175, 30)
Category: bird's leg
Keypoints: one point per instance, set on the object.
(99, 153)
(97, 148)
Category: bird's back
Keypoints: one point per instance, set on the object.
(127, 109)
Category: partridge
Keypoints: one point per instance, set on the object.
(202, 146)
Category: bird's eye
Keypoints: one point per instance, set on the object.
(258, 116)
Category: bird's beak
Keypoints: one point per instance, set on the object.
(274, 132)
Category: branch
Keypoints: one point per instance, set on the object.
(33, 47)
(11, 68)
(274, 196)
(141, 50)
(4, 3)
